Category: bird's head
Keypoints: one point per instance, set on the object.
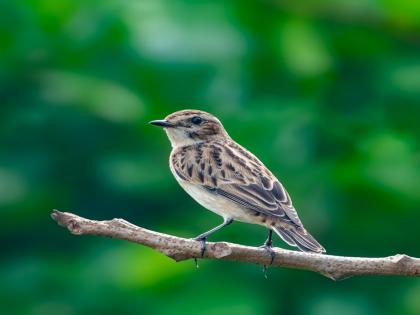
(187, 127)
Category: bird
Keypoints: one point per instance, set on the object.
(227, 179)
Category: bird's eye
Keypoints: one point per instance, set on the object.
(196, 120)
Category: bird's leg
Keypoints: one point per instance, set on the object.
(268, 246)
(203, 237)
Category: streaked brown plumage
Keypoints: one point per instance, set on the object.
(227, 179)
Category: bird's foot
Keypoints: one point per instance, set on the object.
(268, 246)
(202, 241)
(269, 249)
(203, 244)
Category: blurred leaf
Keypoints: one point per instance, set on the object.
(108, 100)
(304, 50)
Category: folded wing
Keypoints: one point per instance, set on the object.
(234, 173)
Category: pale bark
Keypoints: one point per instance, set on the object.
(177, 248)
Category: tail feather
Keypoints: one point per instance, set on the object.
(300, 238)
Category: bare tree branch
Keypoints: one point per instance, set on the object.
(334, 267)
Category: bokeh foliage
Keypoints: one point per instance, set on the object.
(326, 93)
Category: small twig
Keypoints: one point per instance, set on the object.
(177, 248)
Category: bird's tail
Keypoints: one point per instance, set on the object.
(299, 237)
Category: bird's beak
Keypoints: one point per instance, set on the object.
(162, 123)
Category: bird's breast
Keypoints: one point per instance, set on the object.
(218, 204)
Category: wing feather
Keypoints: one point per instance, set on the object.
(234, 173)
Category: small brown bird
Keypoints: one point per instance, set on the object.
(225, 178)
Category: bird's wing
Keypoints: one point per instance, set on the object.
(232, 172)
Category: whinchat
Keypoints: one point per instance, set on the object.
(227, 179)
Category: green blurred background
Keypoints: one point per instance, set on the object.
(326, 93)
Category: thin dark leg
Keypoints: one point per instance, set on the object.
(203, 237)
(269, 240)
(268, 246)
